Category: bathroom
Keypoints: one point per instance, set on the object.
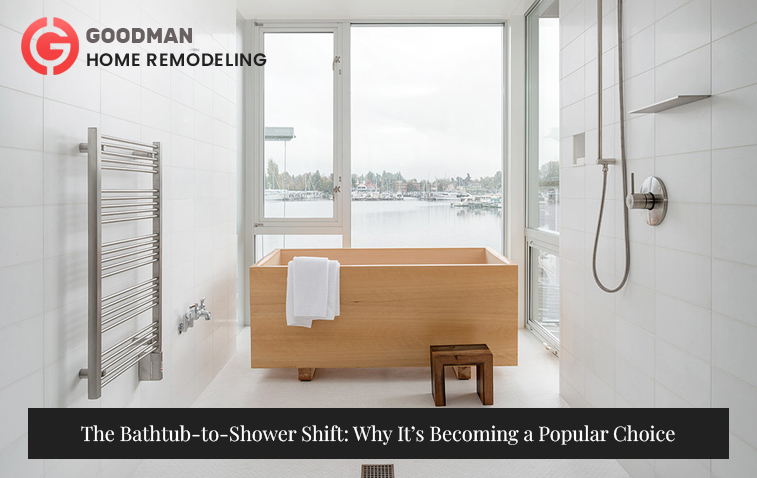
(676, 334)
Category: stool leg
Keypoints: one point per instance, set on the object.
(437, 383)
(485, 381)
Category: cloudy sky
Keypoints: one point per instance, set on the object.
(426, 100)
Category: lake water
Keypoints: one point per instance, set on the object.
(406, 223)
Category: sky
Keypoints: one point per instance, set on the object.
(426, 100)
(549, 90)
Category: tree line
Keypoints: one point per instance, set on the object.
(302, 182)
(384, 182)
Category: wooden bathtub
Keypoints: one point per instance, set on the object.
(395, 303)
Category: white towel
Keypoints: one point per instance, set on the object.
(332, 304)
(291, 320)
(312, 290)
(311, 286)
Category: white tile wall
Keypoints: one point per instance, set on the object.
(635, 345)
(729, 335)
(730, 392)
(683, 74)
(733, 232)
(676, 468)
(733, 64)
(732, 15)
(688, 376)
(734, 290)
(679, 333)
(684, 325)
(684, 276)
(682, 31)
(43, 196)
(20, 292)
(732, 115)
(741, 463)
(21, 181)
(633, 385)
(731, 169)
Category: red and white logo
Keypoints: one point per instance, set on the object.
(56, 47)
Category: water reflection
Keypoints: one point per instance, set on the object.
(407, 223)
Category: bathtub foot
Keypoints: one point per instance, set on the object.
(306, 374)
(462, 373)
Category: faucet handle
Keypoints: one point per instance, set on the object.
(202, 303)
(642, 199)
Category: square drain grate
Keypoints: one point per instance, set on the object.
(377, 471)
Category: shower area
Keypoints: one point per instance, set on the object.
(546, 87)
(671, 106)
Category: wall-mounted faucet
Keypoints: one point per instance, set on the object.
(652, 198)
(195, 312)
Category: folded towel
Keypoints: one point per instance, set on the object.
(291, 320)
(311, 285)
(311, 295)
(332, 304)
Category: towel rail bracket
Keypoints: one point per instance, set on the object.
(151, 367)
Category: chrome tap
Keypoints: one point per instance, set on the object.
(195, 312)
(202, 311)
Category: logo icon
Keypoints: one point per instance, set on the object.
(56, 47)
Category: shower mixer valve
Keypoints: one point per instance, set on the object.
(652, 198)
(195, 312)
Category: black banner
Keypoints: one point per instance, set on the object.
(281, 433)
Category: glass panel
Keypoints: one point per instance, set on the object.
(543, 128)
(546, 291)
(549, 123)
(264, 244)
(299, 125)
(427, 136)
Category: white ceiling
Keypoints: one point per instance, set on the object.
(381, 9)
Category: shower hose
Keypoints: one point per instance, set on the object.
(622, 148)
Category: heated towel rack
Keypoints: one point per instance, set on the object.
(113, 258)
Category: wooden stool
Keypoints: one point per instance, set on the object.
(457, 355)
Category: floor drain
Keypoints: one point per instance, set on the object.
(377, 471)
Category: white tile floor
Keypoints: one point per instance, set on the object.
(533, 383)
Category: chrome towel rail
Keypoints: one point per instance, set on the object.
(108, 259)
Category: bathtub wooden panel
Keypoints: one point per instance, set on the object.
(390, 314)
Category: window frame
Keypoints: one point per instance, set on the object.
(339, 223)
(536, 238)
(253, 221)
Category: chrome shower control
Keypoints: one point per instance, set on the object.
(652, 198)
(640, 201)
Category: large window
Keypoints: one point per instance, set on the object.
(543, 169)
(427, 135)
(377, 136)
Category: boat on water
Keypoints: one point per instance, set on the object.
(374, 196)
(488, 201)
(286, 195)
(304, 195)
(441, 196)
(276, 194)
